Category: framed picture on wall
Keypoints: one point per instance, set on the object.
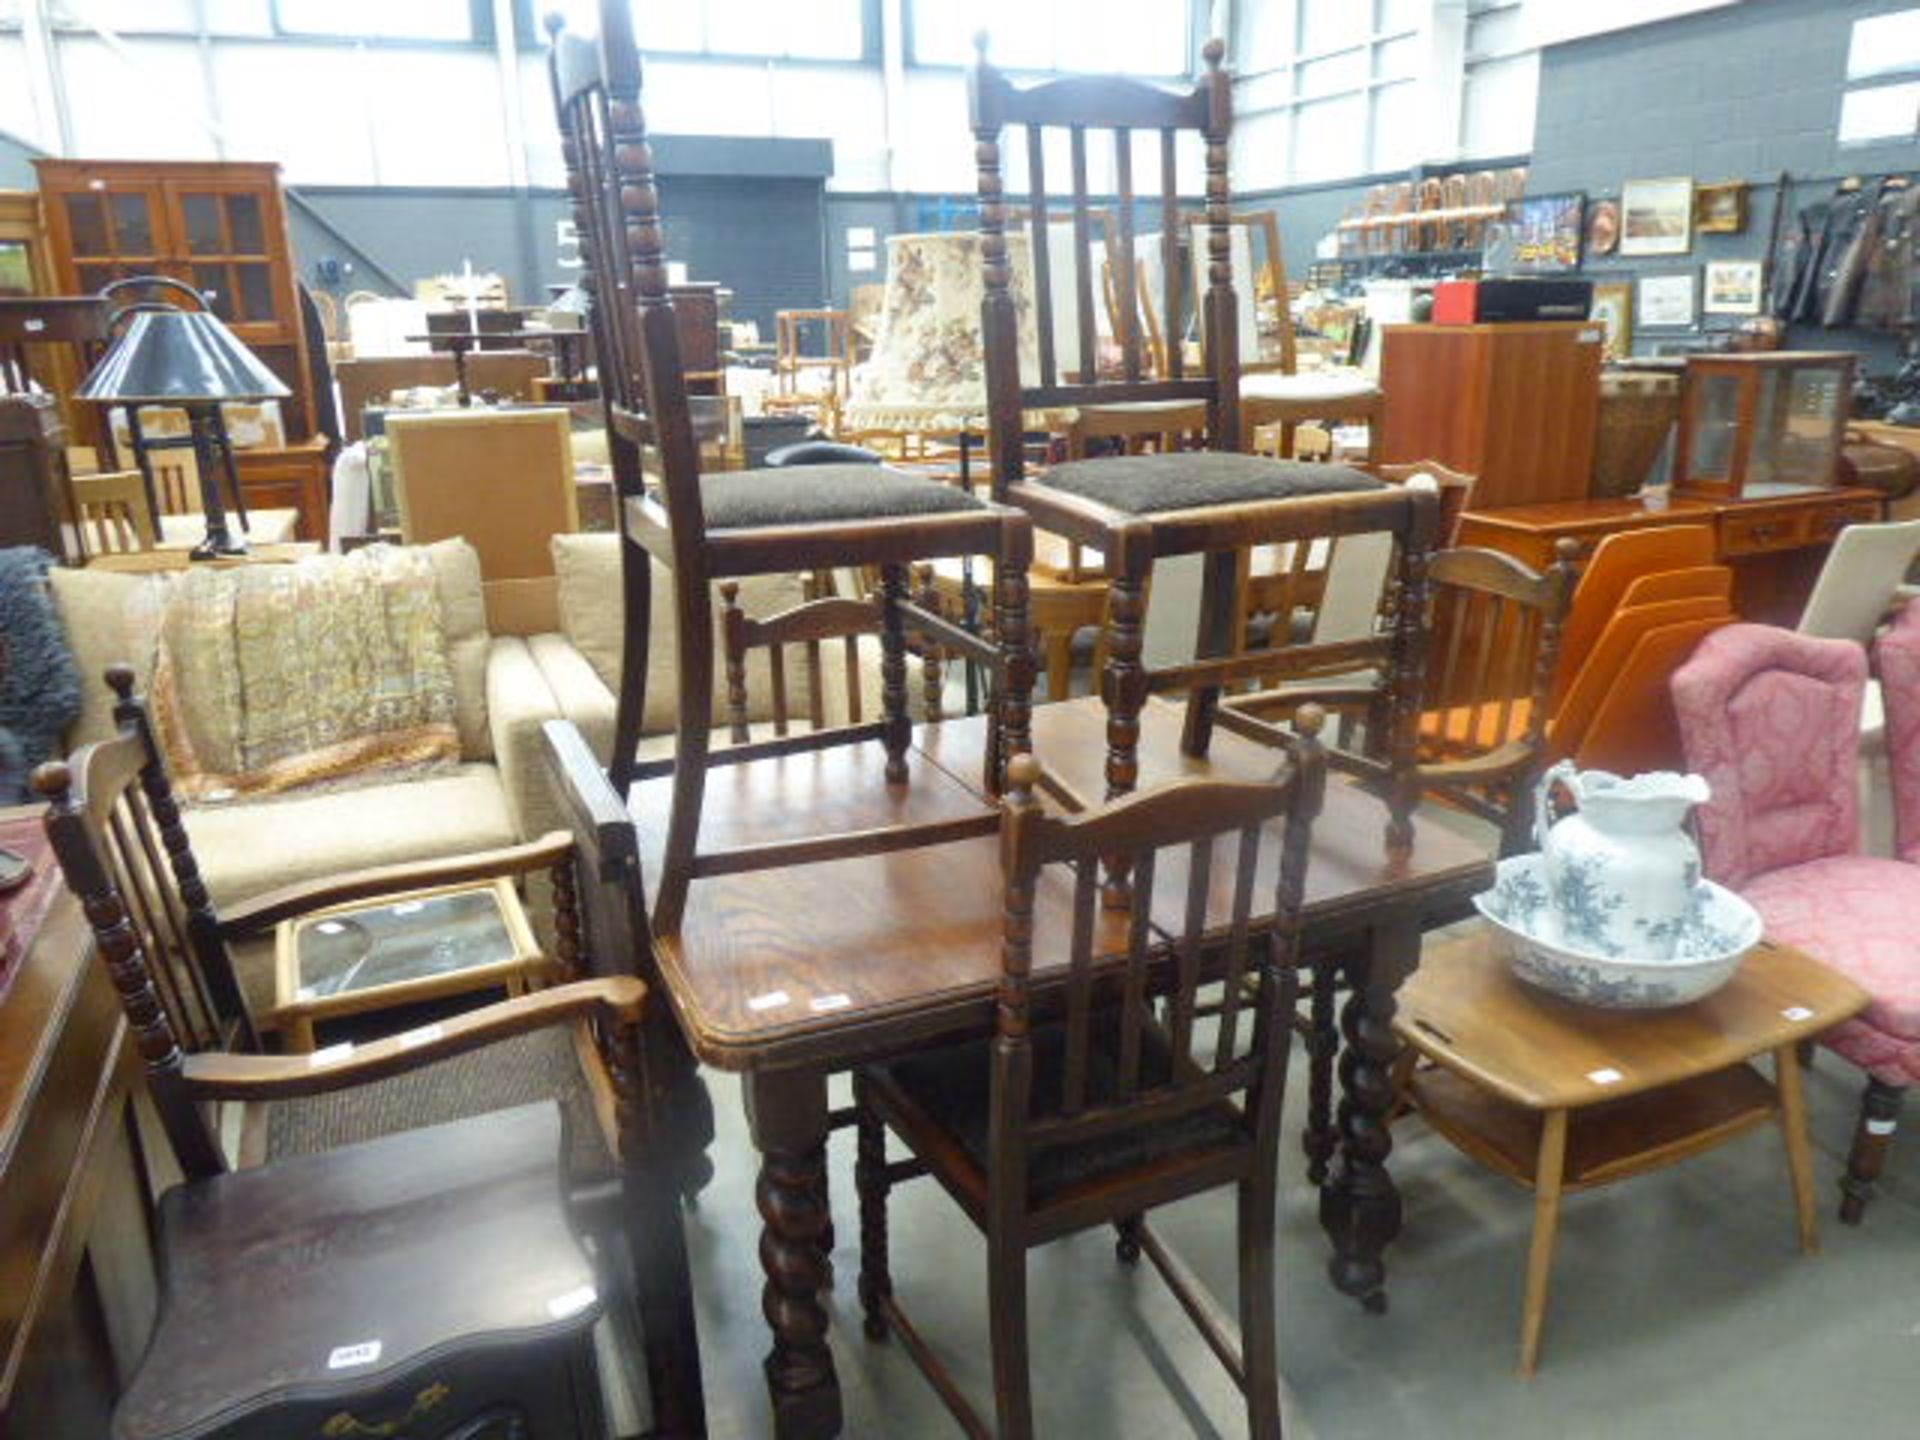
(1666, 302)
(1720, 209)
(1613, 312)
(1733, 287)
(1546, 232)
(1603, 227)
(1656, 217)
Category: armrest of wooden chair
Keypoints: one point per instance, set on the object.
(265, 911)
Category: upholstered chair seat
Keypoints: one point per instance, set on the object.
(1188, 479)
(821, 494)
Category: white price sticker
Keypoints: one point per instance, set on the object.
(1882, 1127)
(1607, 1076)
(420, 1036)
(407, 907)
(772, 1000)
(332, 1055)
(1796, 1013)
(330, 927)
(346, 1357)
(821, 1004)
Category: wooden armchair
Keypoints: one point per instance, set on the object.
(115, 516)
(477, 1247)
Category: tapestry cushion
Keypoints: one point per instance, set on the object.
(818, 494)
(953, 1086)
(330, 671)
(1190, 479)
(463, 620)
(111, 618)
(594, 618)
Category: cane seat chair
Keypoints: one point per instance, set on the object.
(713, 527)
(1088, 1107)
(1138, 509)
(455, 1246)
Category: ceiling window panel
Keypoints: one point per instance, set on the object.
(162, 16)
(1333, 75)
(1400, 136)
(378, 19)
(1136, 37)
(1330, 139)
(1331, 25)
(824, 29)
(1397, 59)
(1499, 104)
(1393, 16)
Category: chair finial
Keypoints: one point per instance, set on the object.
(553, 22)
(120, 679)
(53, 779)
(1308, 720)
(1214, 52)
(1023, 773)
(980, 44)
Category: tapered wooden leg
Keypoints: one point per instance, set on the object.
(1126, 1242)
(1007, 1312)
(693, 738)
(1546, 1228)
(636, 593)
(870, 1178)
(787, 1113)
(893, 671)
(1879, 1118)
(1259, 1349)
(1359, 1206)
(1793, 1130)
(1059, 647)
(1124, 685)
(1220, 629)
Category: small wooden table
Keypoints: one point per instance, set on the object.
(788, 975)
(404, 949)
(1563, 1097)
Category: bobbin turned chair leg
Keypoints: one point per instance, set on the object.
(1879, 1118)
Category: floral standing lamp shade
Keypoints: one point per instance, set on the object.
(928, 371)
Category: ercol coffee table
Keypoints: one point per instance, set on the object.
(788, 975)
(1562, 1097)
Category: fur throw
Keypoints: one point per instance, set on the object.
(39, 682)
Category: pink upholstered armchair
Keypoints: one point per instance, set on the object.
(1772, 718)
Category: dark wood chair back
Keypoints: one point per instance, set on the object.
(1123, 1066)
(616, 207)
(1123, 107)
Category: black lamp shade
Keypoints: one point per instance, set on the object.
(167, 357)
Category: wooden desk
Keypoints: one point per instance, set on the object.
(1776, 547)
(788, 975)
(1564, 1097)
(68, 1074)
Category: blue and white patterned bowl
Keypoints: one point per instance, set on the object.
(1710, 947)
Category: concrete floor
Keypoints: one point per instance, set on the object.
(1681, 1307)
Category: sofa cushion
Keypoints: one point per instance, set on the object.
(593, 616)
(111, 618)
(249, 848)
(463, 619)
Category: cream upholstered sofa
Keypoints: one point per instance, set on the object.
(507, 687)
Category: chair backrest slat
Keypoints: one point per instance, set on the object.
(1149, 1068)
(1042, 252)
(1124, 107)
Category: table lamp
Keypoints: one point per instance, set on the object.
(167, 355)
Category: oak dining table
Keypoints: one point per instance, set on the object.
(787, 976)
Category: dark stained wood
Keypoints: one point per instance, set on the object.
(643, 372)
(1238, 1087)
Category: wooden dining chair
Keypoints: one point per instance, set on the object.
(114, 517)
(1617, 561)
(714, 527)
(431, 1275)
(1097, 1109)
(1138, 509)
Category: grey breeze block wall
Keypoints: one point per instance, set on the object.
(1740, 93)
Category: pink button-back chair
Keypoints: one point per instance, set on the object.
(1772, 719)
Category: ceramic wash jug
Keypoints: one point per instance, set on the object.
(1622, 873)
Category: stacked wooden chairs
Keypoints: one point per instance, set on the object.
(1138, 509)
(714, 527)
(474, 1278)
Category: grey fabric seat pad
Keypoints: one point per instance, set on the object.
(814, 494)
(1190, 479)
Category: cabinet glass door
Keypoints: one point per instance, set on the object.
(224, 235)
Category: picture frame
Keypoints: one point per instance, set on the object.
(1733, 287)
(1656, 217)
(1720, 209)
(1666, 301)
(1546, 232)
(1603, 227)
(1612, 311)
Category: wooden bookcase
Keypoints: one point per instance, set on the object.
(221, 228)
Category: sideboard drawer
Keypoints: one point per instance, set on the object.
(1830, 520)
(1768, 530)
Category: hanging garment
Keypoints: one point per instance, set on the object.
(1887, 298)
(1798, 264)
(1849, 238)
